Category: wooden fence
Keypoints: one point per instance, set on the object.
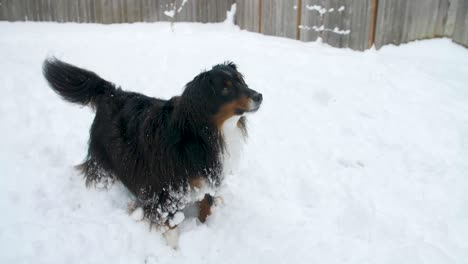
(460, 29)
(114, 11)
(400, 21)
(355, 24)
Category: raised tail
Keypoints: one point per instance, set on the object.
(74, 84)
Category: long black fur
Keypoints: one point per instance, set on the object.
(153, 146)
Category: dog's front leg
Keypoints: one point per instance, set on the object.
(172, 237)
(204, 207)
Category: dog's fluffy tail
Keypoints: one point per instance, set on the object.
(74, 84)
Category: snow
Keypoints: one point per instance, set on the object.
(169, 13)
(182, 6)
(318, 8)
(354, 157)
(138, 214)
(322, 28)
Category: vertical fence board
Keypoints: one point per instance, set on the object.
(186, 12)
(150, 10)
(122, 8)
(107, 11)
(334, 20)
(97, 11)
(451, 16)
(16, 9)
(73, 13)
(204, 11)
(247, 14)
(460, 33)
(360, 25)
(133, 11)
(401, 21)
(11, 10)
(29, 10)
(103, 11)
(339, 23)
(82, 11)
(441, 17)
(310, 18)
(278, 18)
(116, 7)
(45, 9)
(40, 14)
(26, 11)
(223, 8)
(165, 5)
(3, 10)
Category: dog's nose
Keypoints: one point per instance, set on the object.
(257, 98)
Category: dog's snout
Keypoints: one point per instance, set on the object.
(257, 97)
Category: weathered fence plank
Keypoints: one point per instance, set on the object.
(191, 12)
(451, 15)
(460, 33)
(401, 21)
(16, 10)
(278, 18)
(149, 10)
(247, 15)
(72, 11)
(3, 10)
(44, 10)
(222, 8)
(340, 23)
(114, 11)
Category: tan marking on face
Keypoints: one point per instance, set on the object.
(229, 110)
(229, 83)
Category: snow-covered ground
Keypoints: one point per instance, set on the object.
(354, 157)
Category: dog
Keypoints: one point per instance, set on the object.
(168, 153)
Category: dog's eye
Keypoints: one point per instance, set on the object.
(225, 91)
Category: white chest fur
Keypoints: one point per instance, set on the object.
(233, 139)
(230, 158)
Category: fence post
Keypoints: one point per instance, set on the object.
(373, 22)
(298, 19)
(259, 16)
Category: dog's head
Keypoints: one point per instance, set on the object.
(224, 92)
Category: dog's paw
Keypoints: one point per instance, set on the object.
(172, 237)
(104, 183)
(218, 201)
(138, 214)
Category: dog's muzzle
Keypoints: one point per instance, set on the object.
(255, 101)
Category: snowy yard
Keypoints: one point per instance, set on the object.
(354, 157)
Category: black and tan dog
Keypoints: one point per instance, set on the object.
(161, 150)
